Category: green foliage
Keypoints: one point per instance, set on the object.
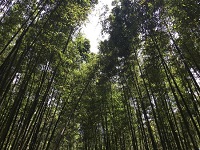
(140, 92)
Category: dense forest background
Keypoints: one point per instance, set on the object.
(140, 92)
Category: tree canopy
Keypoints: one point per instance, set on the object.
(141, 91)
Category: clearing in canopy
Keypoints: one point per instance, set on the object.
(140, 92)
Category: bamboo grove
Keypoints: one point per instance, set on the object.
(140, 92)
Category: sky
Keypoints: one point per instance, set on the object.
(92, 28)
